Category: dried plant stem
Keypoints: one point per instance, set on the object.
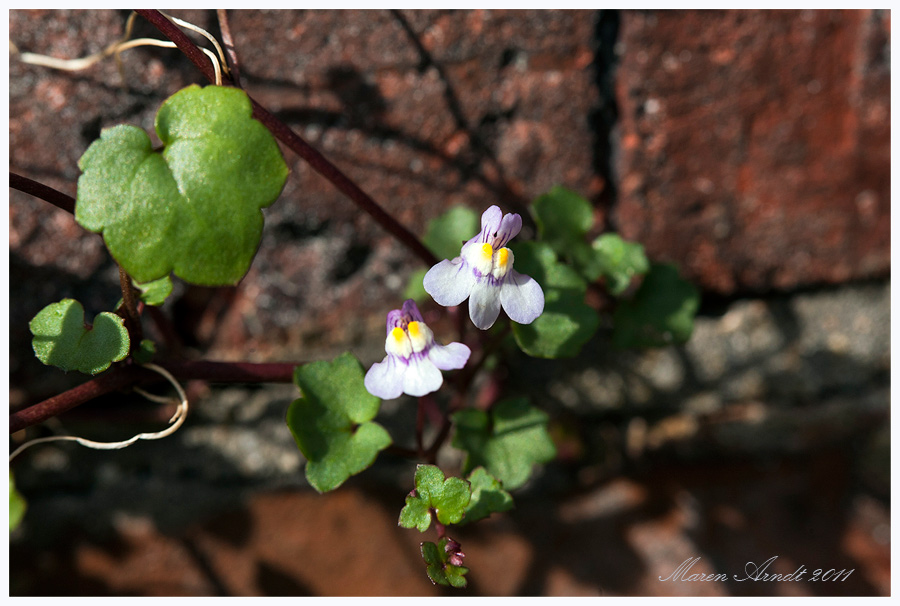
(175, 422)
(233, 64)
(123, 377)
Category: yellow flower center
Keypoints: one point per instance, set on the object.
(487, 251)
(503, 257)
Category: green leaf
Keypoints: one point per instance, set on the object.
(567, 322)
(537, 259)
(439, 570)
(415, 290)
(564, 218)
(446, 234)
(415, 514)
(155, 292)
(488, 496)
(448, 498)
(61, 338)
(193, 209)
(17, 505)
(661, 312)
(508, 442)
(619, 261)
(145, 352)
(331, 423)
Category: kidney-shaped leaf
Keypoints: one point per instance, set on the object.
(195, 207)
(62, 339)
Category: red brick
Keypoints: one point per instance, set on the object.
(755, 145)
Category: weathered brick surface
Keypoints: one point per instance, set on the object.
(753, 151)
(423, 109)
(755, 145)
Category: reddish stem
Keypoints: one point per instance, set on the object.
(127, 376)
(45, 193)
(283, 133)
(130, 311)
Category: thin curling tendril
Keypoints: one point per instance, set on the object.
(175, 422)
(124, 44)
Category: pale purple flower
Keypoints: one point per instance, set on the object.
(484, 273)
(414, 361)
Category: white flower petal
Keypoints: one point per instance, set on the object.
(421, 377)
(449, 282)
(449, 357)
(522, 297)
(385, 379)
(484, 304)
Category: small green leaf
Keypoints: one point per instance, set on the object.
(661, 313)
(415, 514)
(537, 259)
(448, 498)
(17, 505)
(154, 293)
(415, 290)
(331, 423)
(447, 233)
(488, 496)
(508, 442)
(146, 351)
(195, 208)
(567, 322)
(564, 218)
(619, 261)
(61, 338)
(439, 570)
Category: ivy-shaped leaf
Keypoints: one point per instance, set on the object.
(567, 322)
(564, 218)
(488, 496)
(447, 497)
(620, 260)
(193, 209)
(440, 570)
(332, 422)
(661, 312)
(508, 442)
(62, 339)
(17, 505)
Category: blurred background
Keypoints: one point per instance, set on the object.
(749, 147)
